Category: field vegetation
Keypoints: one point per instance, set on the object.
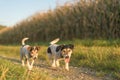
(1, 27)
(83, 19)
(93, 26)
(12, 71)
(100, 55)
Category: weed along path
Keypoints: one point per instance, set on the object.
(75, 73)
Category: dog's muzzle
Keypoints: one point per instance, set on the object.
(35, 58)
(67, 59)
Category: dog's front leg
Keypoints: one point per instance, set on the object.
(31, 66)
(67, 66)
(28, 64)
(57, 63)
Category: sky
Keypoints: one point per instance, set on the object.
(14, 11)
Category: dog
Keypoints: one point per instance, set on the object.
(28, 54)
(60, 52)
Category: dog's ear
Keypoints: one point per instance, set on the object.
(29, 48)
(71, 46)
(59, 48)
(38, 48)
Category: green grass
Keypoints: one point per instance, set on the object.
(12, 71)
(100, 55)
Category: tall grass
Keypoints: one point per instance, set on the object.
(99, 58)
(11, 71)
(102, 56)
(83, 19)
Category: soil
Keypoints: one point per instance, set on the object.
(75, 73)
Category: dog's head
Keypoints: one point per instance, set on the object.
(34, 51)
(66, 51)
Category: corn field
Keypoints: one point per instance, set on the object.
(83, 19)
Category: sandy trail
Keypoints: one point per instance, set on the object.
(75, 73)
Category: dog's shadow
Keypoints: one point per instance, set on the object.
(44, 65)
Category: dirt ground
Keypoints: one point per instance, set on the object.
(75, 73)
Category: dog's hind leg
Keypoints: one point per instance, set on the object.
(54, 63)
(22, 60)
(23, 63)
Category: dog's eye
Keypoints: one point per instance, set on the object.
(64, 51)
(69, 50)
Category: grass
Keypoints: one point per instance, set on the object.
(82, 19)
(100, 55)
(11, 71)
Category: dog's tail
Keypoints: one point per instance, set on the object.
(54, 41)
(23, 40)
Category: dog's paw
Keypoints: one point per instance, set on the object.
(67, 69)
(53, 65)
(30, 67)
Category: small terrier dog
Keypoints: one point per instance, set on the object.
(28, 53)
(60, 52)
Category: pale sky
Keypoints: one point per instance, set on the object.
(14, 11)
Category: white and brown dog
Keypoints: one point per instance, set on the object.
(28, 53)
(60, 52)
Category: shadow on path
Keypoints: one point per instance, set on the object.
(10, 59)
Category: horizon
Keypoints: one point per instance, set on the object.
(12, 13)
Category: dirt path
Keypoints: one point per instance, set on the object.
(75, 73)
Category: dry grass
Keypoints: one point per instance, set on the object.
(102, 56)
(4, 29)
(3, 74)
(96, 19)
(12, 71)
